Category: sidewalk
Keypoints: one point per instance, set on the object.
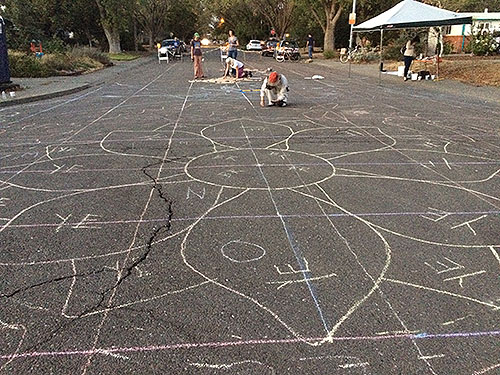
(34, 89)
(487, 94)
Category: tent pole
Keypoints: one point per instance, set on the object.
(381, 62)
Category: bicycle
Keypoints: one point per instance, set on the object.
(349, 55)
(287, 55)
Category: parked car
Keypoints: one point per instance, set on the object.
(288, 48)
(269, 47)
(254, 45)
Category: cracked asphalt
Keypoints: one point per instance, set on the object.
(158, 225)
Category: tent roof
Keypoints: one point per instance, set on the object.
(411, 13)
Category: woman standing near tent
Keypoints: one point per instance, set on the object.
(409, 54)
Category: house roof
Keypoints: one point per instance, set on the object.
(410, 14)
(494, 16)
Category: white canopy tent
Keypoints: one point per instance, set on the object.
(411, 14)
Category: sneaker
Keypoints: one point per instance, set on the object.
(271, 104)
(405, 79)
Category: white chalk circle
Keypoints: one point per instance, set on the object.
(260, 169)
(242, 252)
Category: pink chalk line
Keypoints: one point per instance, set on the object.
(137, 349)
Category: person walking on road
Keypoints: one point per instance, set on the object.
(310, 45)
(197, 56)
(275, 87)
(233, 45)
(410, 54)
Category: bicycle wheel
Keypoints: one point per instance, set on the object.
(295, 57)
(280, 58)
(344, 58)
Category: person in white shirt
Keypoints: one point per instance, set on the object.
(275, 87)
(409, 54)
(236, 68)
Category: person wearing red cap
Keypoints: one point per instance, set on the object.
(275, 87)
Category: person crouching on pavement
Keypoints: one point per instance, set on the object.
(235, 68)
(275, 87)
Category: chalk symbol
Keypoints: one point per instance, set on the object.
(468, 224)
(435, 215)
(446, 267)
(242, 252)
(462, 277)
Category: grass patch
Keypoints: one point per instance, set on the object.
(122, 56)
(473, 70)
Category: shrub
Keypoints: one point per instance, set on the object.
(54, 45)
(27, 66)
(482, 44)
(366, 57)
(447, 48)
(328, 54)
(57, 62)
(92, 53)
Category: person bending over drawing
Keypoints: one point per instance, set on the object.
(236, 68)
(275, 87)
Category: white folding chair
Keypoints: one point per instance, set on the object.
(163, 57)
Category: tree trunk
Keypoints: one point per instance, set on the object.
(113, 37)
(329, 40)
(112, 33)
(136, 44)
(151, 40)
(332, 11)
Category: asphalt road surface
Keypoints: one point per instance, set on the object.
(155, 225)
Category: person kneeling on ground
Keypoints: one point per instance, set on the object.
(275, 86)
(236, 68)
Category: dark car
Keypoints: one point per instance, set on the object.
(173, 46)
(269, 47)
(170, 43)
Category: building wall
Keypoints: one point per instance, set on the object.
(456, 41)
(455, 30)
(454, 34)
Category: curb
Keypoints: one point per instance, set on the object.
(51, 95)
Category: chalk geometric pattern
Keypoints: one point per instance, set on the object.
(313, 224)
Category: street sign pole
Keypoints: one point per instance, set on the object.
(352, 22)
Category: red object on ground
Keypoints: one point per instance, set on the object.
(273, 77)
